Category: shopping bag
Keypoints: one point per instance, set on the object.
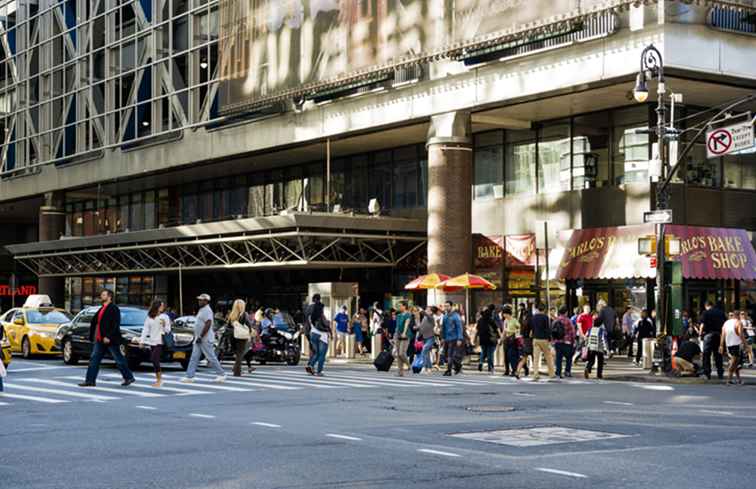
(417, 364)
(3, 372)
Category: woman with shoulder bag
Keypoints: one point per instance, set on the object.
(155, 326)
(243, 333)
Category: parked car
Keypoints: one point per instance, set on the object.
(31, 330)
(73, 338)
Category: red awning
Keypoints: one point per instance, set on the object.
(714, 253)
(604, 253)
(612, 253)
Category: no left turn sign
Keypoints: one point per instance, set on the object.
(719, 142)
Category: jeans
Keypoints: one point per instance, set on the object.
(711, 347)
(452, 356)
(513, 355)
(542, 348)
(319, 351)
(206, 348)
(563, 351)
(487, 352)
(98, 352)
(427, 347)
(592, 355)
(1, 383)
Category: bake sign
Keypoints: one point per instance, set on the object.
(725, 251)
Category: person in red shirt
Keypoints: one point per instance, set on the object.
(105, 335)
(585, 320)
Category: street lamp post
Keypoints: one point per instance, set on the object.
(652, 66)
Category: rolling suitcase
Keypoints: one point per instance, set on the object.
(383, 361)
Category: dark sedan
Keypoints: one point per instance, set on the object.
(73, 338)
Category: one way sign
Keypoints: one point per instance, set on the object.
(729, 139)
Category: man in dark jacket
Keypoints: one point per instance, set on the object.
(105, 335)
(712, 321)
(645, 329)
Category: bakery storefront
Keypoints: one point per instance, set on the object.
(717, 264)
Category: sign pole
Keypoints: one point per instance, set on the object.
(548, 280)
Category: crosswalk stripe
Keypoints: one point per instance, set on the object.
(270, 379)
(4, 404)
(247, 381)
(326, 380)
(46, 400)
(92, 397)
(205, 384)
(133, 387)
(98, 388)
(385, 380)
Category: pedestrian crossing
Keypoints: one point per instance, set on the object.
(61, 389)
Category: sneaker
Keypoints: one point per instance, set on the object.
(220, 379)
(309, 370)
(319, 374)
(480, 367)
(187, 380)
(87, 384)
(128, 382)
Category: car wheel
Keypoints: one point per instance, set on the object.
(25, 348)
(69, 357)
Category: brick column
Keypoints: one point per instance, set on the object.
(450, 160)
(52, 225)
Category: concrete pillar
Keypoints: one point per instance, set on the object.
(52, 225)
(450, 165)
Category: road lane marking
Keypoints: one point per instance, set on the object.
(343, 437)
(327, 381)
(726, 413)
(398, 381)
(562, 472)
(35, 369)
(523, 394)
(98, 388)
(46, 400)
(437, 452)
(274, 380)
(146, 408)
(4, 404)
(618, 403)
(203, 416)
(91, 397)
(267, 425)
(655, 387)
(202, 384)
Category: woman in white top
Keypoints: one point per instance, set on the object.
(156, 324)
(732, 340)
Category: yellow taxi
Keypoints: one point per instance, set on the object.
(32, 330)
(5, 351)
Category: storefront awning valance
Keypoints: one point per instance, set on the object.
(612, 253)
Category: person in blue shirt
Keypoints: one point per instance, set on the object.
(453, 336)
(342, 329)
(266, 322)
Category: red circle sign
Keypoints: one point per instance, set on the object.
(720, 141)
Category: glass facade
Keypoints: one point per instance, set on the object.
(396, 177)
(135, 290)
(78, 77)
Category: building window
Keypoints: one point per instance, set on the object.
(149, 209)
(740, 170)
(631, 149)
(590, 152)
(292, 187)
(553, 155)
(189, 205)
(136, 222)
(406, 178)
(380, 179)
(489, 165)
(315, 186)
(520, 162)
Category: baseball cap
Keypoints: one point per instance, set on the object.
(204, 297)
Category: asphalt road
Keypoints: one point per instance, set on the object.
(357, 428)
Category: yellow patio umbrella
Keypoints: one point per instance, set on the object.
(427, 282)
(466, 281)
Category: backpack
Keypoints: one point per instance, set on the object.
(557, 330)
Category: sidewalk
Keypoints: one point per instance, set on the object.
(619, 368)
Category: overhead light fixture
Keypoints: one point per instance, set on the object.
(145, 123)
(640, 92)
(203, 64)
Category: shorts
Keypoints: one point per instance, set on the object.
(735, 355)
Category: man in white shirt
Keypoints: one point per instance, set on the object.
(204, 338)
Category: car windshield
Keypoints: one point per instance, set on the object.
(133, 318)
(51, 317)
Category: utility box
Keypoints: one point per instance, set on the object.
(673, 273)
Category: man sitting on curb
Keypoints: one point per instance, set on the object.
(685, 359)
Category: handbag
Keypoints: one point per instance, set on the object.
(3, 372)
(241, 332)
(169, 341)
(584, 353)
(418, 346)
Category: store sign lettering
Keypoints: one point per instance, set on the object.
(725, 252)
(7, 290)
(487, 252)
(588, 249)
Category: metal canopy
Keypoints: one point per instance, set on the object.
(289, 242)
